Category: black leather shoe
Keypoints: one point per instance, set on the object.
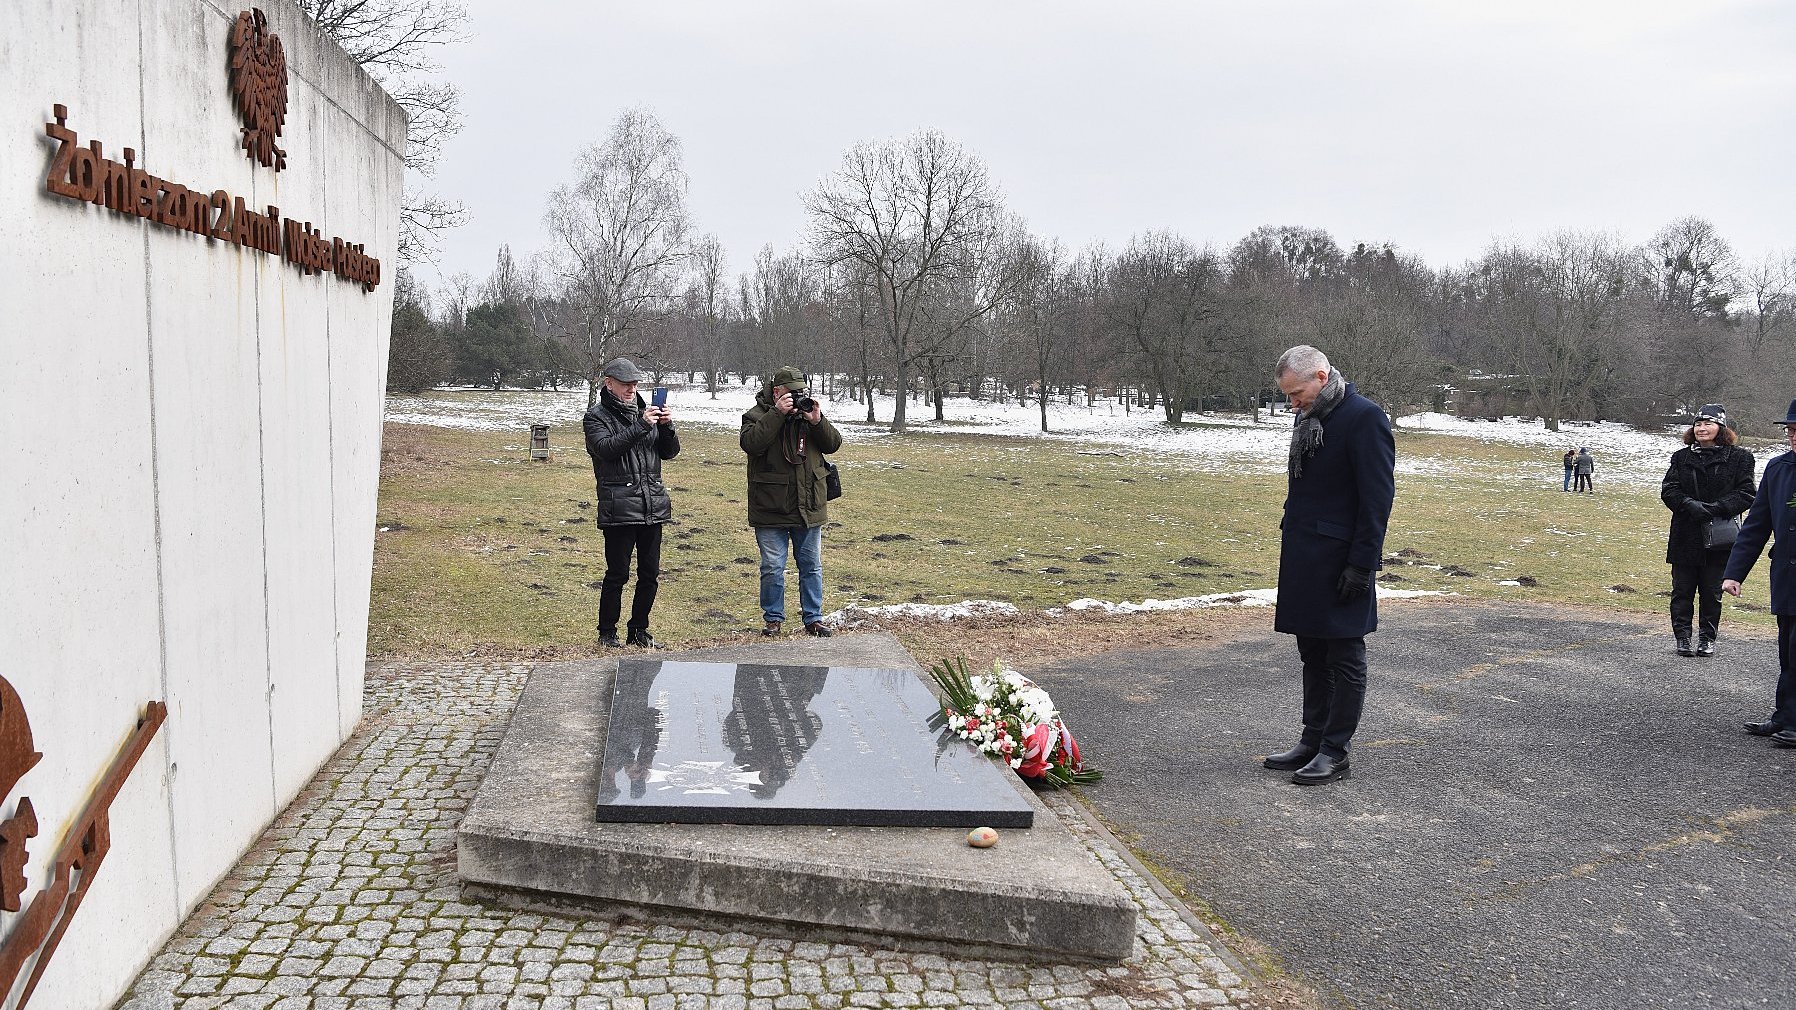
(610, 641)
(1765, 728)
(1705, 647)
(642, 640)
(1684, 646)
(1784, 738)
(1322, 769)
(1291, 760)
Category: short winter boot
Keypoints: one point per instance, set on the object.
(1684, 645)
(1705, 646)
(772, 630)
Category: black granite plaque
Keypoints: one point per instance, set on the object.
(719, 743)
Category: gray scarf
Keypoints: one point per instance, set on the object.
(1306, 434)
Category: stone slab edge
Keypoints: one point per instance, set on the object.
(531, 828)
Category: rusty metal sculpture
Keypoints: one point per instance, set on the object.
(40, 929)
(259, 84)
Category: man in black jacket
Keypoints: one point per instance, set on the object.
(627, 440)
(1342, 470)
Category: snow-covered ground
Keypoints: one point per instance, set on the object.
(1624, 455)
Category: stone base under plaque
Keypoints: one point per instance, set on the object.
(531, 830)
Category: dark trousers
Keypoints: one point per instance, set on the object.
(620, 541)
(1334, 691)
(1785, 716)
(1583, 482)
(1704, 583)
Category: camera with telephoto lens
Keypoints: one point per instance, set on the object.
(804, 403)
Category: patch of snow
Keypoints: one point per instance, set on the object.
(854, 615)
(1625, 456)
(1248, 598)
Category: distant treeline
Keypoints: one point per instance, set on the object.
(913, 276)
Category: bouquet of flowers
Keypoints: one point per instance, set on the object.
(1004, 715)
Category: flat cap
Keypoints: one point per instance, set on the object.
(623, 370)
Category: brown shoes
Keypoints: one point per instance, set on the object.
(772, 630)
(816, 630)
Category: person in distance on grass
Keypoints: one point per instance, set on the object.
(1774, 514)
(787, 496)
(1583, 467)
(1341, 481)
(1571, 459)
(1710, 478)
(627, 440)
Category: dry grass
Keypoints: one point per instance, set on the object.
(484, 552)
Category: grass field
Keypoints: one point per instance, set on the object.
(482, 550)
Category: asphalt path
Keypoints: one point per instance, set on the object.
(1547, 809)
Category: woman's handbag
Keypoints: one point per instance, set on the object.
(1719, 533)
(832, 483)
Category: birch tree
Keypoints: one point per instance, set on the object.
(620, 234)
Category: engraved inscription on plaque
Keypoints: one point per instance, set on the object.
(709, 743)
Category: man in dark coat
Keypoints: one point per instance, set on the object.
(1342, 479)
(785, 437)
(627, 440)
(1583, 466)
(1773, 514)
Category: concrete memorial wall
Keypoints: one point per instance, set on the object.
(198, 222)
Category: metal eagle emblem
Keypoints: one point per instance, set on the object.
(259, 86)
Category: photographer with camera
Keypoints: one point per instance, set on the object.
(627, 440)
(785, 437)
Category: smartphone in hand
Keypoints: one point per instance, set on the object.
(659, 397)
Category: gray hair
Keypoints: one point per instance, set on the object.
(1301, 360)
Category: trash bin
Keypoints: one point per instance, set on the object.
(539, 441)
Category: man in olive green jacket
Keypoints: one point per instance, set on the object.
(785, 437)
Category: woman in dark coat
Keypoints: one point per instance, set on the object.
(1710, 478)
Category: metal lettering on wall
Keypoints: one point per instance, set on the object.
(40, 929)
(259, 86)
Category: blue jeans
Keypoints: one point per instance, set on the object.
(1568, 475)
(806, 544)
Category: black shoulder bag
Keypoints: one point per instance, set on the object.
(832, 481)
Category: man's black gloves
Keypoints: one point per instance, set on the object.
(1354, 582)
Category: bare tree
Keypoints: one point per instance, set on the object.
(710, 303)
(1556, 311)
(1691, 269)
(914, 213)
(1166, 298)
(1374, 319)
(1768, 292)
(393, 40)
(1038, 311)
(620, 234)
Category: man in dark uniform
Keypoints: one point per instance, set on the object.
(1342, 478)
(1773, 514)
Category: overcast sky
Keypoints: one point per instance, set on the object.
(1434, 125)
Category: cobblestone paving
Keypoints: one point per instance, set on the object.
(350, 902)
